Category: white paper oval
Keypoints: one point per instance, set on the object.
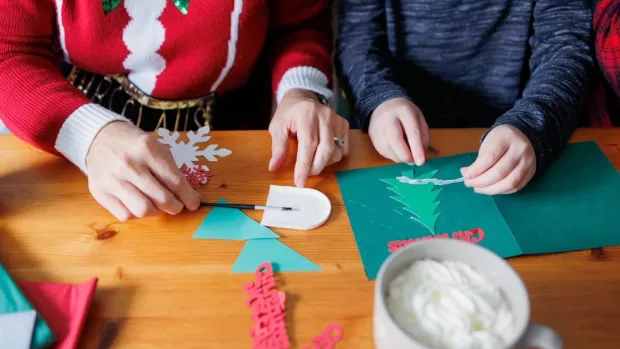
(311, 208)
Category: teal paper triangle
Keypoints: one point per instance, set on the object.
(256, 252)
(231, 224)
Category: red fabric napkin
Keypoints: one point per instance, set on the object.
(63, 306)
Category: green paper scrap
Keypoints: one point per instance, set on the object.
(283, 258)
(231, 224)
(12, 300)
(572, 207)
(377, 219)
(418, 200)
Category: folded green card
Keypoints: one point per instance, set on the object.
(572, 207)
(12, 300)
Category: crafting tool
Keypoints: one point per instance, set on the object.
(435, 181)
(245, 206)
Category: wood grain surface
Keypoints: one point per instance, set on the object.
(158, 288)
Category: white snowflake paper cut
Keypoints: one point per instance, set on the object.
(187, 153)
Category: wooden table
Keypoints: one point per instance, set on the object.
(158, 288)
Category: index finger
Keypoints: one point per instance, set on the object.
(308, 139)
(166, 171)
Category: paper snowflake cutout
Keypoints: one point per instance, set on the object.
(196, 175)
(187, 153)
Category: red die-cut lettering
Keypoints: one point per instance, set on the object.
(332, 334)
(268, 310)
(442, 236)
(459, 235)
(394, 246)
(477, 239)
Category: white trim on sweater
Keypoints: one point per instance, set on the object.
(232, 44)
(144, 35)
(307, 78)
(80, 129)
(61, 30)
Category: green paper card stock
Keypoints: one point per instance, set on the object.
(572, 207)
(256, 252)
(12, 300)
(231, 224)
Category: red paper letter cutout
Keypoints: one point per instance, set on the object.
(268, 310)
(480, 233)
(459, 235)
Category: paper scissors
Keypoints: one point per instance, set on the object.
(328, 338)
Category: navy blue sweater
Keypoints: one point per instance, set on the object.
(472, 63)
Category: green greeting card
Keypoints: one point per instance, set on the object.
(550, 215)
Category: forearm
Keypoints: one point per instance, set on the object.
(560, 65)
(36, 103)
(300, 47)
(364, 58)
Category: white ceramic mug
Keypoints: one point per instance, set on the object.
(389, 335)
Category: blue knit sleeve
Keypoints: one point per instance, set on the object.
(560, 64)
(364, 58)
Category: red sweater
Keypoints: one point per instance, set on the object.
(166, 53)
(604, 109)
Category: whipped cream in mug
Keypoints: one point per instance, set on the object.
(449, 305)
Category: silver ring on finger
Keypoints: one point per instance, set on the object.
(339, 142)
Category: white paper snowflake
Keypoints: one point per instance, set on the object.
(187, 153)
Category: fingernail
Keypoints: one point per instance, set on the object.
(411, 163)
(464, 171)
(271, 165)
(300, 182)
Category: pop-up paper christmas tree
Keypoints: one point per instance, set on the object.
(420, 200)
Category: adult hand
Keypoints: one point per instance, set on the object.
(506, 163)
(391, 122)
(315, 126)
(131, 174)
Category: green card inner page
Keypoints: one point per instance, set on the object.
(381, 211)
(572, 207)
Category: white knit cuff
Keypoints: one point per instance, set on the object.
(80, 129)
(307, 78)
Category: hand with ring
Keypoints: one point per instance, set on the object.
(323, 135)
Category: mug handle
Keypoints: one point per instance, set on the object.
(541, 337)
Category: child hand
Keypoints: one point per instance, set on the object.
(386, 131)
(506, 163)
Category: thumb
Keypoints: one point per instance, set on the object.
(279, 148)
(490, 152)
